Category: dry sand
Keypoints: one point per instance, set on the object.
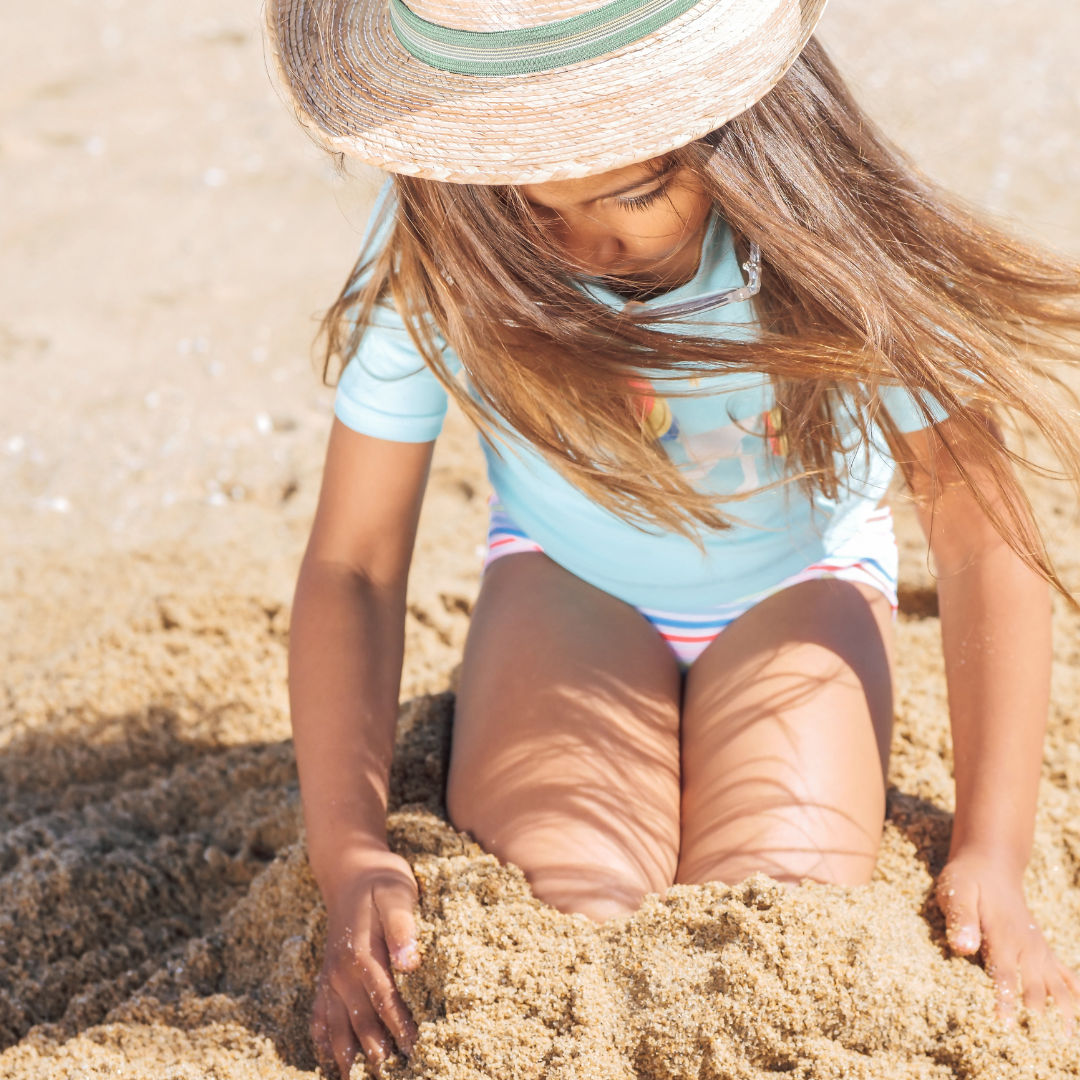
(167, 234)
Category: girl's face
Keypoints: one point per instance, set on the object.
(642, 223)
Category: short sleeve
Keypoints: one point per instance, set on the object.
(905, 412)
(386, 389)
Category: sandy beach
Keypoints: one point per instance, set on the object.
(168, 240)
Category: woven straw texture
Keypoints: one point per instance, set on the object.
(363, 95)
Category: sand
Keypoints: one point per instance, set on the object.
(167, 236)
(158, 912)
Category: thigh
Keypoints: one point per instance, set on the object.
(565, 755)
(786, 727)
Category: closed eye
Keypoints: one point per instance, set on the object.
(639, 202)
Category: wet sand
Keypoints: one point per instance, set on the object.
(168, 239)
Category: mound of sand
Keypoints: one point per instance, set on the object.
(157, 915)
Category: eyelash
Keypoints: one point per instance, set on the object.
(639, 202)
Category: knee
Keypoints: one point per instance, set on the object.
(599, 888)
(576, 867)
(468, 810)
(596, 891)
(484, 816)
(789, 844)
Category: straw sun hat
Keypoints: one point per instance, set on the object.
(523, 91)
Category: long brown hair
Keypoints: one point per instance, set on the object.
(872, 277)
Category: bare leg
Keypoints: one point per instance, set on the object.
(786, 724)
(565, 755)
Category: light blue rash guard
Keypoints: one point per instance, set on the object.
(718, 437)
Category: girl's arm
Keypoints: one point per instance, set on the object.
(345, 652)
(995, 623)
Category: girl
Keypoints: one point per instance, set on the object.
(680, 664)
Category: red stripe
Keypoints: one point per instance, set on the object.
(860, 566)
(512, 540)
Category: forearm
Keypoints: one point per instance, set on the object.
(995, 616)
(995, 624)
(345, 655)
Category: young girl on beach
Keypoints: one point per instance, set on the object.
(699, 311)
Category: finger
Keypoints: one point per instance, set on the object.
(1072, 985)
(320, 1026)
(1002, 969)
(342, 1038)
(374, 972)
(1033, 973)
(1071, 981)
(370, 1033)
(395, 904)
(1062, 995)
(959, 903)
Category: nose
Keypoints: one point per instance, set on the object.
(589, 242)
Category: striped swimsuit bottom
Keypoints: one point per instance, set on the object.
(869, 558)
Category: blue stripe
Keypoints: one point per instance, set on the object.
(680, 624)
(880, 569)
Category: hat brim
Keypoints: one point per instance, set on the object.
(364, 96)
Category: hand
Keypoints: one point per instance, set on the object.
(371, 927)
(984, 907)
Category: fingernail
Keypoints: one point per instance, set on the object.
(407, 958)
(965, 939)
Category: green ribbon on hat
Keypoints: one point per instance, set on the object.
(532, 49)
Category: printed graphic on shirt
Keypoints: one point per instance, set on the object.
(707, 457)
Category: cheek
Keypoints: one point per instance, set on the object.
(688, 209)
(669, 222)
